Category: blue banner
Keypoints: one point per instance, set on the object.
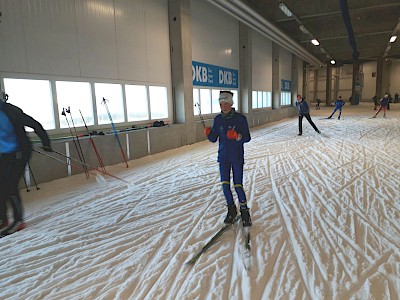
(214, 76)
(286, 85)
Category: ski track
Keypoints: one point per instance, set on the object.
(325, 210)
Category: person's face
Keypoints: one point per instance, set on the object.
(298, 98)
(225, 107)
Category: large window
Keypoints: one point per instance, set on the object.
(207, 100)
(158, 102)
(33, 97)
(136, 102)
(109, 95)
(286, 98)
(261, 99)
(141, 103)
(76, 96)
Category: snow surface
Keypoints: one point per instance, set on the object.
(325, 209)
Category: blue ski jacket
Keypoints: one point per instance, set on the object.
(384, 101)
(230, 150)
(339, 104)
(302, 107)
(19, 120)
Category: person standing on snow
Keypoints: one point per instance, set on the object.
(339, 103)
(15, 151)
(384, 103)
(232, 130)
(304, 111)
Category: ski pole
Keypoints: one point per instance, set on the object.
(77, 166)
(76, 146)
(200, 115)
(33, 177)
(27, 189)
(68, 110)
(104, 102)
(94, 145)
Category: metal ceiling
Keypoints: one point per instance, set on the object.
(372, 22)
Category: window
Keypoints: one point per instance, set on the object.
(34, 97)
(112, 93)
(196, 102)
(261, 99)
(286, 98)
(136, 102)
(209, 101)
(158, 102)
(205, 101)
(215, 108)
(78, 97)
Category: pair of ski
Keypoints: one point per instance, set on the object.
(246, 232)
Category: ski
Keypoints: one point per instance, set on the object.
(212, 241)
(246, 254)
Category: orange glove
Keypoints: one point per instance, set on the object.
(232, 134)
(207, 130)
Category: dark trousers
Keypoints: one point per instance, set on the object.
(307, 116)
(12, 166)
(225, 172)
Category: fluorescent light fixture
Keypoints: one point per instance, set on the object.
(303, 29)
(315, 42)
(393, 38)
(285, 9)
(333, 62)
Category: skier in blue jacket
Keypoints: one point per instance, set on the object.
(304, 111)
(15, 151)
(232, 130)
(339, 103)
(384, 103)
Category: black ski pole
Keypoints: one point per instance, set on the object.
(27, 189)
(68, 110)
(93, 144)
(200, 115)
(104, 102)
(33, 177)
(76, 146)
(77, 166)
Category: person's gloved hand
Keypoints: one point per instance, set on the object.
(232, 134)
(47, 148)
(207, 130)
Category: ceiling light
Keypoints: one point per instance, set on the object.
(333, 62)
(315, 42)
(303, 29)
(285, 9)
(393, 38)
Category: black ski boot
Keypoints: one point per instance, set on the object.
(232, 213)
(246, 219)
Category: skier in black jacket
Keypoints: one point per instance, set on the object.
(15, 151)
(304, 111)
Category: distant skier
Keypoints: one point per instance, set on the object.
(384, 103)
(15, 151)
(317, 106)
(339, 103)
(232, 130)
(375, 99)
(304, 111)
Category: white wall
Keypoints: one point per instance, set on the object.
(262, 62)
(114, 40)
(369, 86)
(285, 64)
(394, 78)
(215, 36)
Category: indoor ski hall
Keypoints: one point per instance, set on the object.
(122, 196)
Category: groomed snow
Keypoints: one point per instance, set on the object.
(325, 209)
